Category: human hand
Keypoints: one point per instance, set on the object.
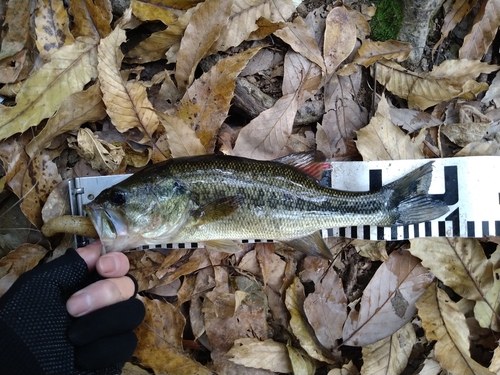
(116, 287)
(38, 333)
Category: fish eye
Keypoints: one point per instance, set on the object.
(118, 197)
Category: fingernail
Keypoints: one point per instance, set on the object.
(79, 303)
(107, 263)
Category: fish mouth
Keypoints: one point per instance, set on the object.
(108, 224)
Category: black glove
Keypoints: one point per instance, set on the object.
(38, 336)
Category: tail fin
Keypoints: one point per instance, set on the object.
(409, 194)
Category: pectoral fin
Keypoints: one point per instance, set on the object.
(311, 245)
(217, 209)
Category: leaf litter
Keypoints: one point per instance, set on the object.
(86, 93)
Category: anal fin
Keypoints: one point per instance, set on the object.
(312, 244)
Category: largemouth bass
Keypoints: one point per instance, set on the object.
(216, 199)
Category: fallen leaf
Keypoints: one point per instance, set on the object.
(344, 115)
(382, 140)
(202, 31)
(459, 263)
(298, 36)
(17, 16)
(206, 103)
(91, 18)
(412, 120)
(457, 13)
(70, 68)
(155, 10)
(250, 320)
(464, 133)
(182, 140)
(75, 110)
(127, 103)
(266, 136)
(373, 51)
(302, 364)
(272, 266)
(51, 27)
(487, 311)
(294, 301)
(340, 37)
(17, 262)
(391, 354)
(326, 309)
(160, 341)
(243, 20)
(388, 300)
(101, 155)
(442, 321)
(451, 79)
(477, 42)
(267, 354)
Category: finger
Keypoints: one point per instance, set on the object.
(100, 294)
(91, 253)
(113, 265)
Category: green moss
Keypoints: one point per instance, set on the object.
(387, 21)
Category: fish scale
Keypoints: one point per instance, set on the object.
(223, 198)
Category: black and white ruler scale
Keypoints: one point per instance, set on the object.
(469, 185)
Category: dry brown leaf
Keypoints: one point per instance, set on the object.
(101, 155)
(340, 37)
(302, 364)
(182, 140)
(266, 136)
(493, 93)
(17, 262)
(375, 250)
(464, 133)
(382, 140)
(70, 68)
(412, 120)
(459, 263)
(487, 312)
(294, 301)
(75, 110)
(16, 35)
(243, 20)
(250, 320)
(443, 322)
(344, 115)
(271, 265)
(389, 355)
(160, 341)
(326, 309)
(155, 46)
(388, 300)
(32, 181)
(477, 42)
(299, 37)
(206, 103)
(155, 10)
(458, 11)
(127, 103)
(267, 354)
(51, 28)
(451, 79)
(91, 18)
(373, 51)
(495, 361)
(202, 31)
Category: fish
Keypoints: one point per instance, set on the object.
(215, 200)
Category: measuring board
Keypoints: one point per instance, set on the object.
(470, 186)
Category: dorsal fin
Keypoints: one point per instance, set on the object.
(311, 162)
